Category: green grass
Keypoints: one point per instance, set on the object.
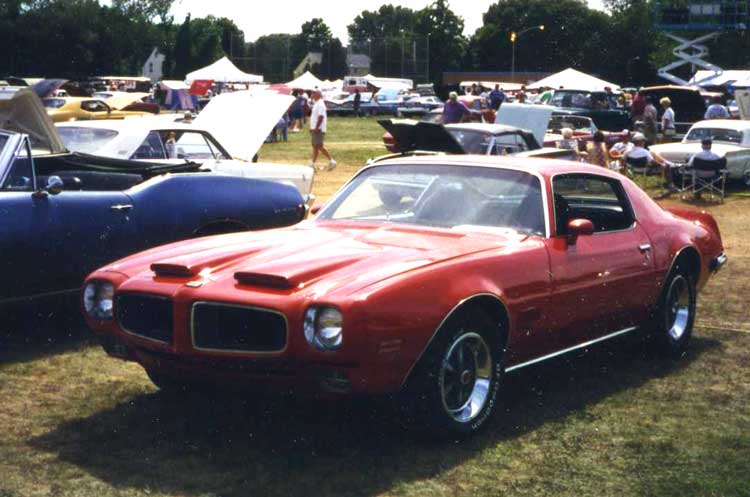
(614, 421)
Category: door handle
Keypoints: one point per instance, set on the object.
(644, 247)
(121, 207)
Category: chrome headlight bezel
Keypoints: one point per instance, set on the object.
(323, 327)
(98, 298)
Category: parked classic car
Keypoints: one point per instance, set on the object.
(601, 107)
(731, 139)
(80, 108)
(224, 138)
(423, 277)
(64, 214)
(469, 138)
(416, 105)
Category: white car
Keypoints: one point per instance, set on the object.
(731, 139)
(224, 138)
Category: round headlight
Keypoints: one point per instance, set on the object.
(323, 328)
(97, 299)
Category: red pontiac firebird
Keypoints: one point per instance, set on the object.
(423, 277)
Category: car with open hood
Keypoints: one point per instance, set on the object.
(64, 214)
(427, 278)
(731, 140)
(224, 138)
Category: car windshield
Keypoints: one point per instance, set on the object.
(444, 196)
(473, 142)
(576, 123)
(716, 134)
(3, 141)
(85, 140)
(53, 103)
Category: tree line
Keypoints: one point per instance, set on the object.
(80, 38)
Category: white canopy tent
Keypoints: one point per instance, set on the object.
(223, 71)
(307, 81)
(724, 78)
(570, 79)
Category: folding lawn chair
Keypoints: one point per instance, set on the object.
(705, 175)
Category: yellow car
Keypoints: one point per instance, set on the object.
(62, 109)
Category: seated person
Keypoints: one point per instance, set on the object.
(639, 151)
(619, 149)
(568, 142)
(706, 153)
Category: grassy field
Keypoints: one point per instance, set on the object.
(613, 421)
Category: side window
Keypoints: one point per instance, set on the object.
(21, 176)
(94, 106)
(151, 148)
(192, 146)
(596, 198)
(509, 143)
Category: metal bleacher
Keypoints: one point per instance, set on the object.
(709, 17)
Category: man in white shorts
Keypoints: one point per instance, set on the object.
(318, 122)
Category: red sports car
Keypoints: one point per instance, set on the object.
(423, 277)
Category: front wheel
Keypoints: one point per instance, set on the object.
(675, 314)
(454, 387)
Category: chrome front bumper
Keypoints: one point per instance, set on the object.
(718, 262)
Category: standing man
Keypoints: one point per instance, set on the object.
(318, 122)
(357, 102)
(453, 110)
(497, 97)
(716, 110)
(650, 122)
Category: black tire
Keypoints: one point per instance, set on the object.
(449, 394)
(746, 179)
(675, 313)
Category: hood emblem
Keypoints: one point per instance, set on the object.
(195, 284)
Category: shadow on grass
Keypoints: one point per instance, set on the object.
(205, 445)
(32, 330)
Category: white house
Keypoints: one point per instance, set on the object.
(154, 66)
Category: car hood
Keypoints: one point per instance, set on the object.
(242, 120)
(535, 118)
(24, 113)
(413, 135)
(313, 255)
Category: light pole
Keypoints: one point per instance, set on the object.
(513, 37)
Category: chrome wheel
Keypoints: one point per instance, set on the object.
(678, 307)
(465, 377)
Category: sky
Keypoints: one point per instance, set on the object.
(262, 18)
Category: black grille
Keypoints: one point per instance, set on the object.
(145, 315)
(243, 329)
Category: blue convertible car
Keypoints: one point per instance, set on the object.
(62, 214)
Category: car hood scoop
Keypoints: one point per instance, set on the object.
(300, 257)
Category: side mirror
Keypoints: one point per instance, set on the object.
(579, 227)
(316, 208)
(53, 187)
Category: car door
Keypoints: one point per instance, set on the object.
(601, 282)
(87, 229)
(20, 218)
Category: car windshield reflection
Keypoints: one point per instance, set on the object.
(85, 140)
(442, 196)
(715, 134)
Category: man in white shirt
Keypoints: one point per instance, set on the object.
(716, 110)
(318, 125)
(706, 153)
(639, 151)
(619, 149)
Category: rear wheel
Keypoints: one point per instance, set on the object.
(676, 312)
(746, 179)
(454, 387)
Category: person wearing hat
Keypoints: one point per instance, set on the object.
(619, 149)
(454, 111)
(639, 151)
(667, 120)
